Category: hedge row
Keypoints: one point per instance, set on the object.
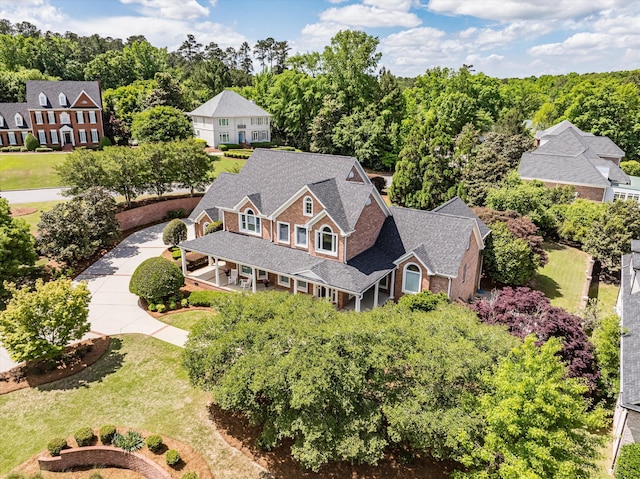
(239, 154)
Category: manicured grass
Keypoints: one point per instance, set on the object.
(563, 277)
(34, 218)
(21, 171)
(186, 319)
(227, 164)
(606, 293)
(140, 384)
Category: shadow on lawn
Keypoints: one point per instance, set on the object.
(108, 364)
(547, 285)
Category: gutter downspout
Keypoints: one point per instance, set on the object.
(449, 289)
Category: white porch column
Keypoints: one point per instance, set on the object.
(376, 294)
(295, 286)
(183, 256)
(358, 304)
(392, 289)
(253, 280)
(217, 271)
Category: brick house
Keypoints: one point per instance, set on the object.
(59, 113)
(566, 155)
(314, 224)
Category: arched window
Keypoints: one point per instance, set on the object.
(308, 206)
(411, 278)
(62, 99)
(43, 99)
(326, 240)
(250, 223)
(18, 119)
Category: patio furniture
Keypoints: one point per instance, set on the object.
(245, 283)
(233, 277)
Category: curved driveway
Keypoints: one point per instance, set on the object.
(113, 309)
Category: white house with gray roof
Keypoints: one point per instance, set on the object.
(315, 224)
(230, 118)
(567, 155)
(627, 415)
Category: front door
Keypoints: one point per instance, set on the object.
(241, 137)
(324, 292)
(67, 137)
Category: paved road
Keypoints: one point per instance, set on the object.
(113, 309)
(34, 196)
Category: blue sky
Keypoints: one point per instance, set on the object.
(502, 38)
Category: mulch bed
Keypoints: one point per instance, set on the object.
(15, 211)
(240, 434)
(35, 373)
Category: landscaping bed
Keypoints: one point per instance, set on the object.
(35, 373)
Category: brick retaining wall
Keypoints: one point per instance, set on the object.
(154, 212)
(103, 456)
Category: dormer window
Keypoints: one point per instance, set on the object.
(1, 121)
(308, 207)
(19, 120)
(250, 223)
(62, 99)
(43, 99)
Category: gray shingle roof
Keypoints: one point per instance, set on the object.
(568, 157)
(356, 276)
(630, 351)
(52, 89)
(456, 207)
(604, 146)
(437, 239)
(287, 173)
(228, 104)
(8, 112)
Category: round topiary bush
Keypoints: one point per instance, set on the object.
(56, 445)
(628, 463)
(84, 436)
(190, 475)
(172, 457)
(175, 232)
(154, 443)
(106, 433)
(31, 142)
(156, 279)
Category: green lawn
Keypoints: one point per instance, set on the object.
(139, 384)
(21, 171)
(606, 293)
(185, 319)
(34, 218)
(563, 277)
(227, 164)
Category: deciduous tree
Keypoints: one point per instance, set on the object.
(161, 123)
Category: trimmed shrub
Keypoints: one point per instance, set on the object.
(424, 301)
(56, 445)
(104, 141)
(176, 254)
(213, 227)
(628, 463)
(204, 298)
(379, 182)
(286, 148)
(175, 232)
(43, 149)
(184, 303)
(263, 144)
(130, 441)
(200, 142)
(173, 305)
(31, 142)
(151, 307)
(156, 279)
(161, 308)
(173, 214)
(172, 457)
(238, 154)
(229, 146)
(106, 433)
(190, 475)
(84, 436)
(154, 443)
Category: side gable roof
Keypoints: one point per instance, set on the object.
(456, 207)
(52, 89)
(630, 350)
(228, 104)
(8, 112)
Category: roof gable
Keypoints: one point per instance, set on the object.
(83, 101)
(8, 112)
(229, 104)
(456, 207)
(71, 89)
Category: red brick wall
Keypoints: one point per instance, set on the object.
(104, 456)
(154, 212)
(465, 290)
(312, 240)
(439, 284)
(294, 215)
(367, 229)
(426, 279)
(356, 176)
(86, 126)
(586, 192)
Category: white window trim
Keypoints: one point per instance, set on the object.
(224, 137)
(51, 117)
(92, 117)
(39, 118)
(254, 136)
(262, 274)
(1, 143)
(42, 137)
(288, 241)
(404, 276)
(304, 206)
(18, 119)
(1, 120)
(12, 138)
(80, 117)
(299, 288)
(62, 99)
(282, 283)
(94, 136)
(42, 98)
(54, 137)
(384, 282)
(65, 118)
(82, 136)
(223, 121)
(242, 273)
(334, 242)
(295, 230)
(258, 223)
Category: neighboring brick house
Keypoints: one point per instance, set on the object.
(315, 224)
(230, 118)
(568, 156)
(626, 422)
(58, 113)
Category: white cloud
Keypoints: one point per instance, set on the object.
(584, 44)
(38, 12)
(171, 9)
(489, 37)
(504, 10)
(369, 16)
(393, 5)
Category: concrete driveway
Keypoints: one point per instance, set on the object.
(34, 196)
(113, 309)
